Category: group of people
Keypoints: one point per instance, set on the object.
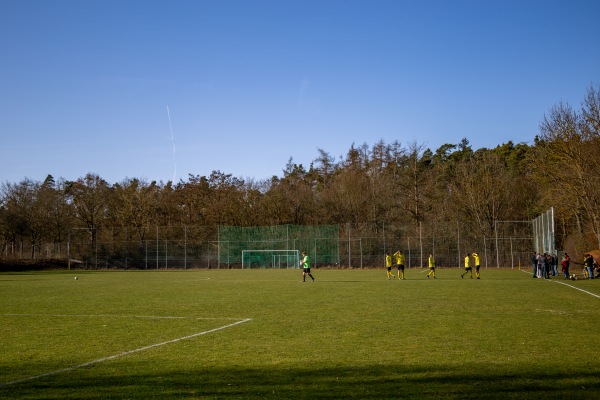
(468, 268)
(545, 265)
(400, 260)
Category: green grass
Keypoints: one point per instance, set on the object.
(350, 334)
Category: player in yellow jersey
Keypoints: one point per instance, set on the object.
(477, 264)
(388, 265)
(468, 266)
(400, 263)
(431, 263)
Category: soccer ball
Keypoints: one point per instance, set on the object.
(76, 278)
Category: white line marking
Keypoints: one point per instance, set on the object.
(566, 284)
(123, 354)
(574, 287)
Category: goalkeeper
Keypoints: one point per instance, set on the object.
(306, 267)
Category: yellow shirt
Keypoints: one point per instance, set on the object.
(467, 261)
(399, 258)
(388, 260)
(431, 262)
(476, 257)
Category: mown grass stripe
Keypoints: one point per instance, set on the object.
(126, 353)
(117, 316)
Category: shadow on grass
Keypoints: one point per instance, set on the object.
(378, 382)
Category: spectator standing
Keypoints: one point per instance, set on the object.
(565, 265)
(547, 265)
(555, 265)
(589, 265)
(584, 271)
(540, 265)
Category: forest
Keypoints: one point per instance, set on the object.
(406, 189)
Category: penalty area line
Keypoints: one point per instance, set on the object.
(126, 353)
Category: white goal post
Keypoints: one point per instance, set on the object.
(270, 259)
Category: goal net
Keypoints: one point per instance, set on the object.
(270, 259)
(543, 233)
(321, 242)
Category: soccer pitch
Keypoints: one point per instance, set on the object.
(214, 334)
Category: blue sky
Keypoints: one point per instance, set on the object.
(161, 89)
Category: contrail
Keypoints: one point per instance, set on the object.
(173, 143)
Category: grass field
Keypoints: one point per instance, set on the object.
(211, 334)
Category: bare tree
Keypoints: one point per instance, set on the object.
(89, 197)
(567, 159)
(482, 191)
(416, 183)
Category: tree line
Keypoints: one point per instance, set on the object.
(403, 187)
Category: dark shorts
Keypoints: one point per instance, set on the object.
(389, 268)
(401, 267)
(306, 270)
(468, 269)
(477, 267)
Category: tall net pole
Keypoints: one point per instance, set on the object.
(543, 232)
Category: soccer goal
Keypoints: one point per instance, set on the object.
(270, 259)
